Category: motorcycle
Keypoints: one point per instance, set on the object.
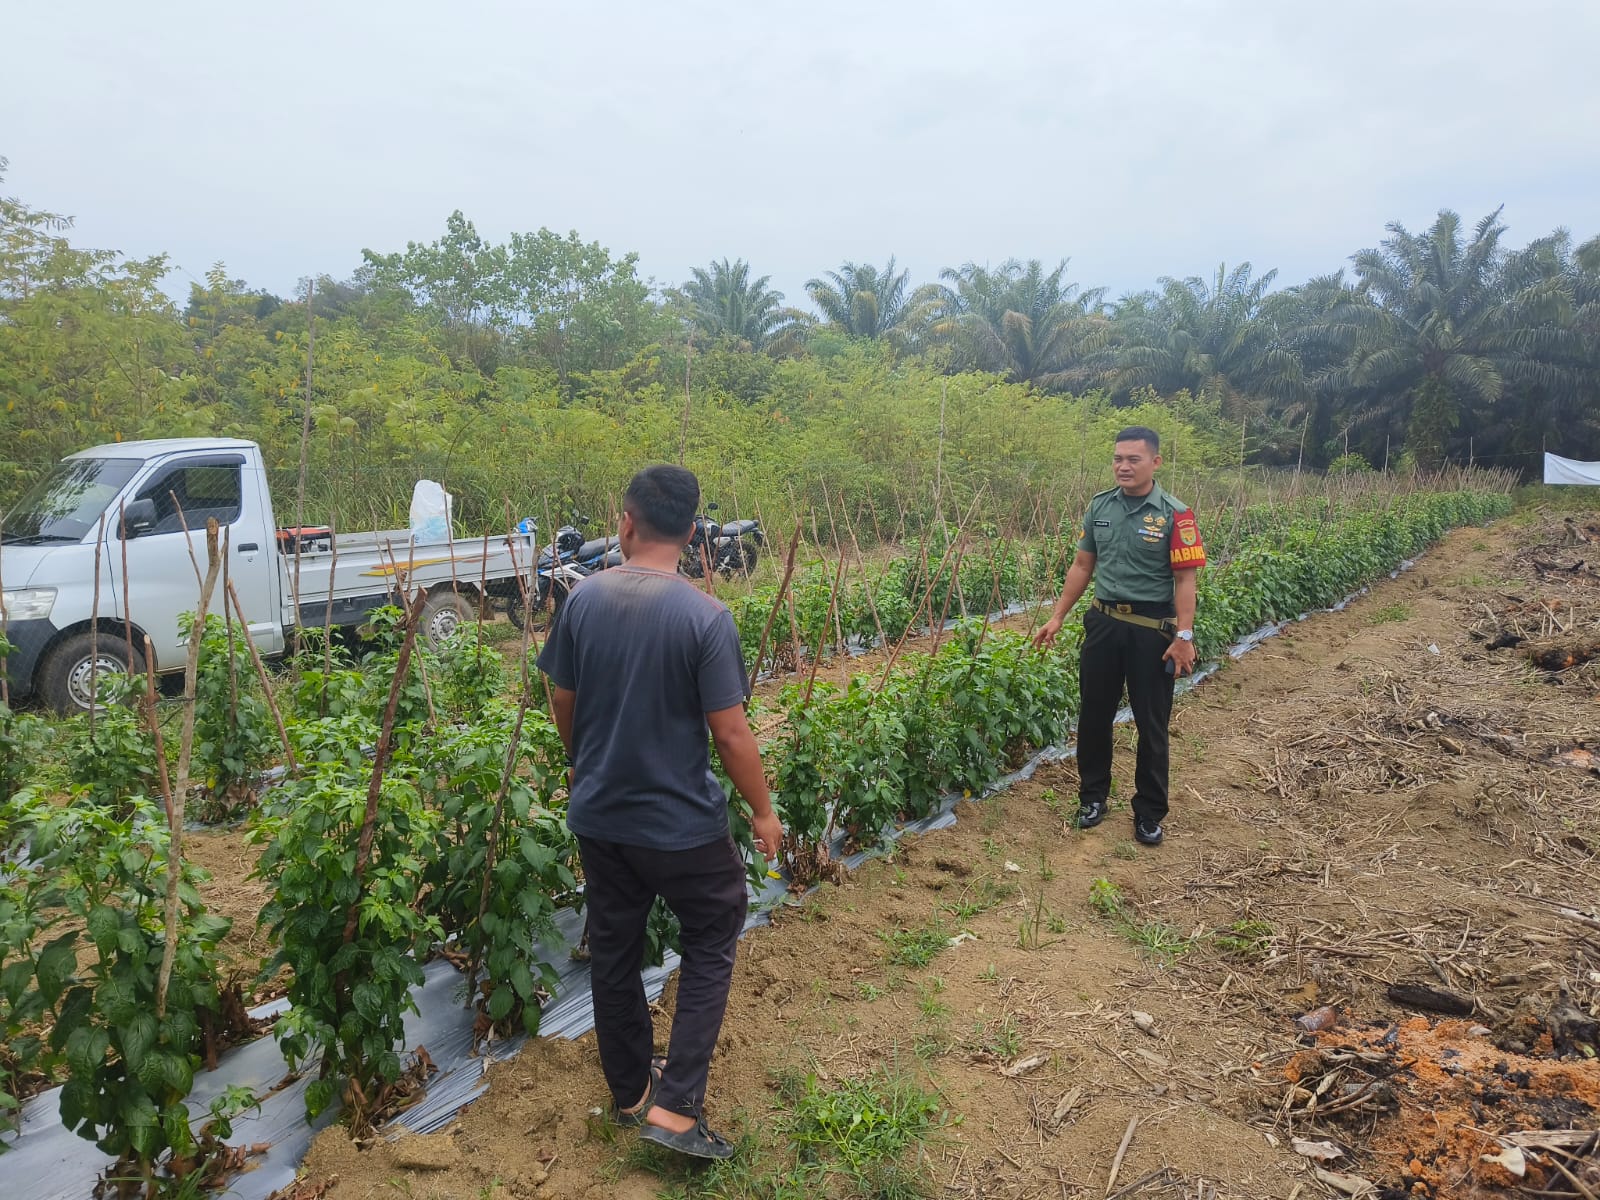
(559, 567)
(728, 548)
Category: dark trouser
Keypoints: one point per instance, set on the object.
(1117, 652)
(705, 888)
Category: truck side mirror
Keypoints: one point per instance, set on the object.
(138, 517)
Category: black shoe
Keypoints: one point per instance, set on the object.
(699, 1142)
(1148, 832)
(1091, 813)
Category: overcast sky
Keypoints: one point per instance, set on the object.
(1141, 138)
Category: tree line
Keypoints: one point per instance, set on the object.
(549, 356)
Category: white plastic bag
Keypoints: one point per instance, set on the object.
(430, 512)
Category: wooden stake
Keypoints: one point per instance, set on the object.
(266, 683)
(816, 658)
(155, 729)
(492, 841)
(305, 442)
(777, 603)
(380, 763)
(1116, 1163)
(94, 629)
(327, 616)
(185, 759)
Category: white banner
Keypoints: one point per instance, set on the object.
(1569, 470)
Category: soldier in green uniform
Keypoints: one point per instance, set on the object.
(1142, 548)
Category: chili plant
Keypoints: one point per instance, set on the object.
(351, 936)
(130, 1052)
(501, 912)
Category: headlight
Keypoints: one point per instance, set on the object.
(28, 604)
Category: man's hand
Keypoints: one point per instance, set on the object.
(1047, 633)
(1181, 654)
(769, 835)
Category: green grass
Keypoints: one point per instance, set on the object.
(1246, 938)
(860, 1124)
(979, 897)
(855, 1139)
(1154, 937)
(1000, 1038)
(916, 947)
(1106, 898)
(1390, 613)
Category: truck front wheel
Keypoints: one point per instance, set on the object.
(65, 677)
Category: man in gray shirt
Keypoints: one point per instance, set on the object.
(643, 664)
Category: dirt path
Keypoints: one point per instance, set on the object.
(1373, 797)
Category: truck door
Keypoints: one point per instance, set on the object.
(161, 579)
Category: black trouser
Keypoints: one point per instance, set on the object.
(1116, 653)
(705, 888)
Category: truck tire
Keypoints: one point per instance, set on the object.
(444, 612)
(64, 675)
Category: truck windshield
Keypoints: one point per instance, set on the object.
(66, 504)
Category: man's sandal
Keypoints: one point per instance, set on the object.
(632, 1118)
(699, 1142)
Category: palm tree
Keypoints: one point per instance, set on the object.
(1020, 321)
(1219, 337)
(860, 300)
(725, 302)
(1440, 324)
(1548, 401)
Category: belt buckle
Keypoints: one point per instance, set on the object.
(1124, 608)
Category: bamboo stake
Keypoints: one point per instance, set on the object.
(227, 626)
(327, 616)
(265, 680)
(380, 763)
(816, 659)
(155, 729)
(483, 587)
(305, 442)
(127, 604)
(777, 603)
(492, 841)
(867, 585)
(1116, 1163)
(527, 606)
(94, 629)
(185, 760)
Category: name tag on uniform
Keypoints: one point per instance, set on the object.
(1103, 524)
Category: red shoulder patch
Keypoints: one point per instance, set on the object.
(1186, 549)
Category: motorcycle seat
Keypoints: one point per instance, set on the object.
(595, 547)
(738, 528)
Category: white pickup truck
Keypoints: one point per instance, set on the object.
(154, 489)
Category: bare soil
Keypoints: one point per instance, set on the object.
(1375, 797)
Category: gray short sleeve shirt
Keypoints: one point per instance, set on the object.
(648, 655)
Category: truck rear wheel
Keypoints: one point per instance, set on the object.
(443, 613)
(65, 676)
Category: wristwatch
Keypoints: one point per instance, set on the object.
(1186, 634)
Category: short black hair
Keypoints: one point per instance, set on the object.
(662, 501)
(1141, 433)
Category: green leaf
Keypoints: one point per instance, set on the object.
(56, 963)
(104, 923)
(500, 1002)
(138, 1036)
(319, 1095)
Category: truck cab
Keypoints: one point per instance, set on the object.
(139, 509)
